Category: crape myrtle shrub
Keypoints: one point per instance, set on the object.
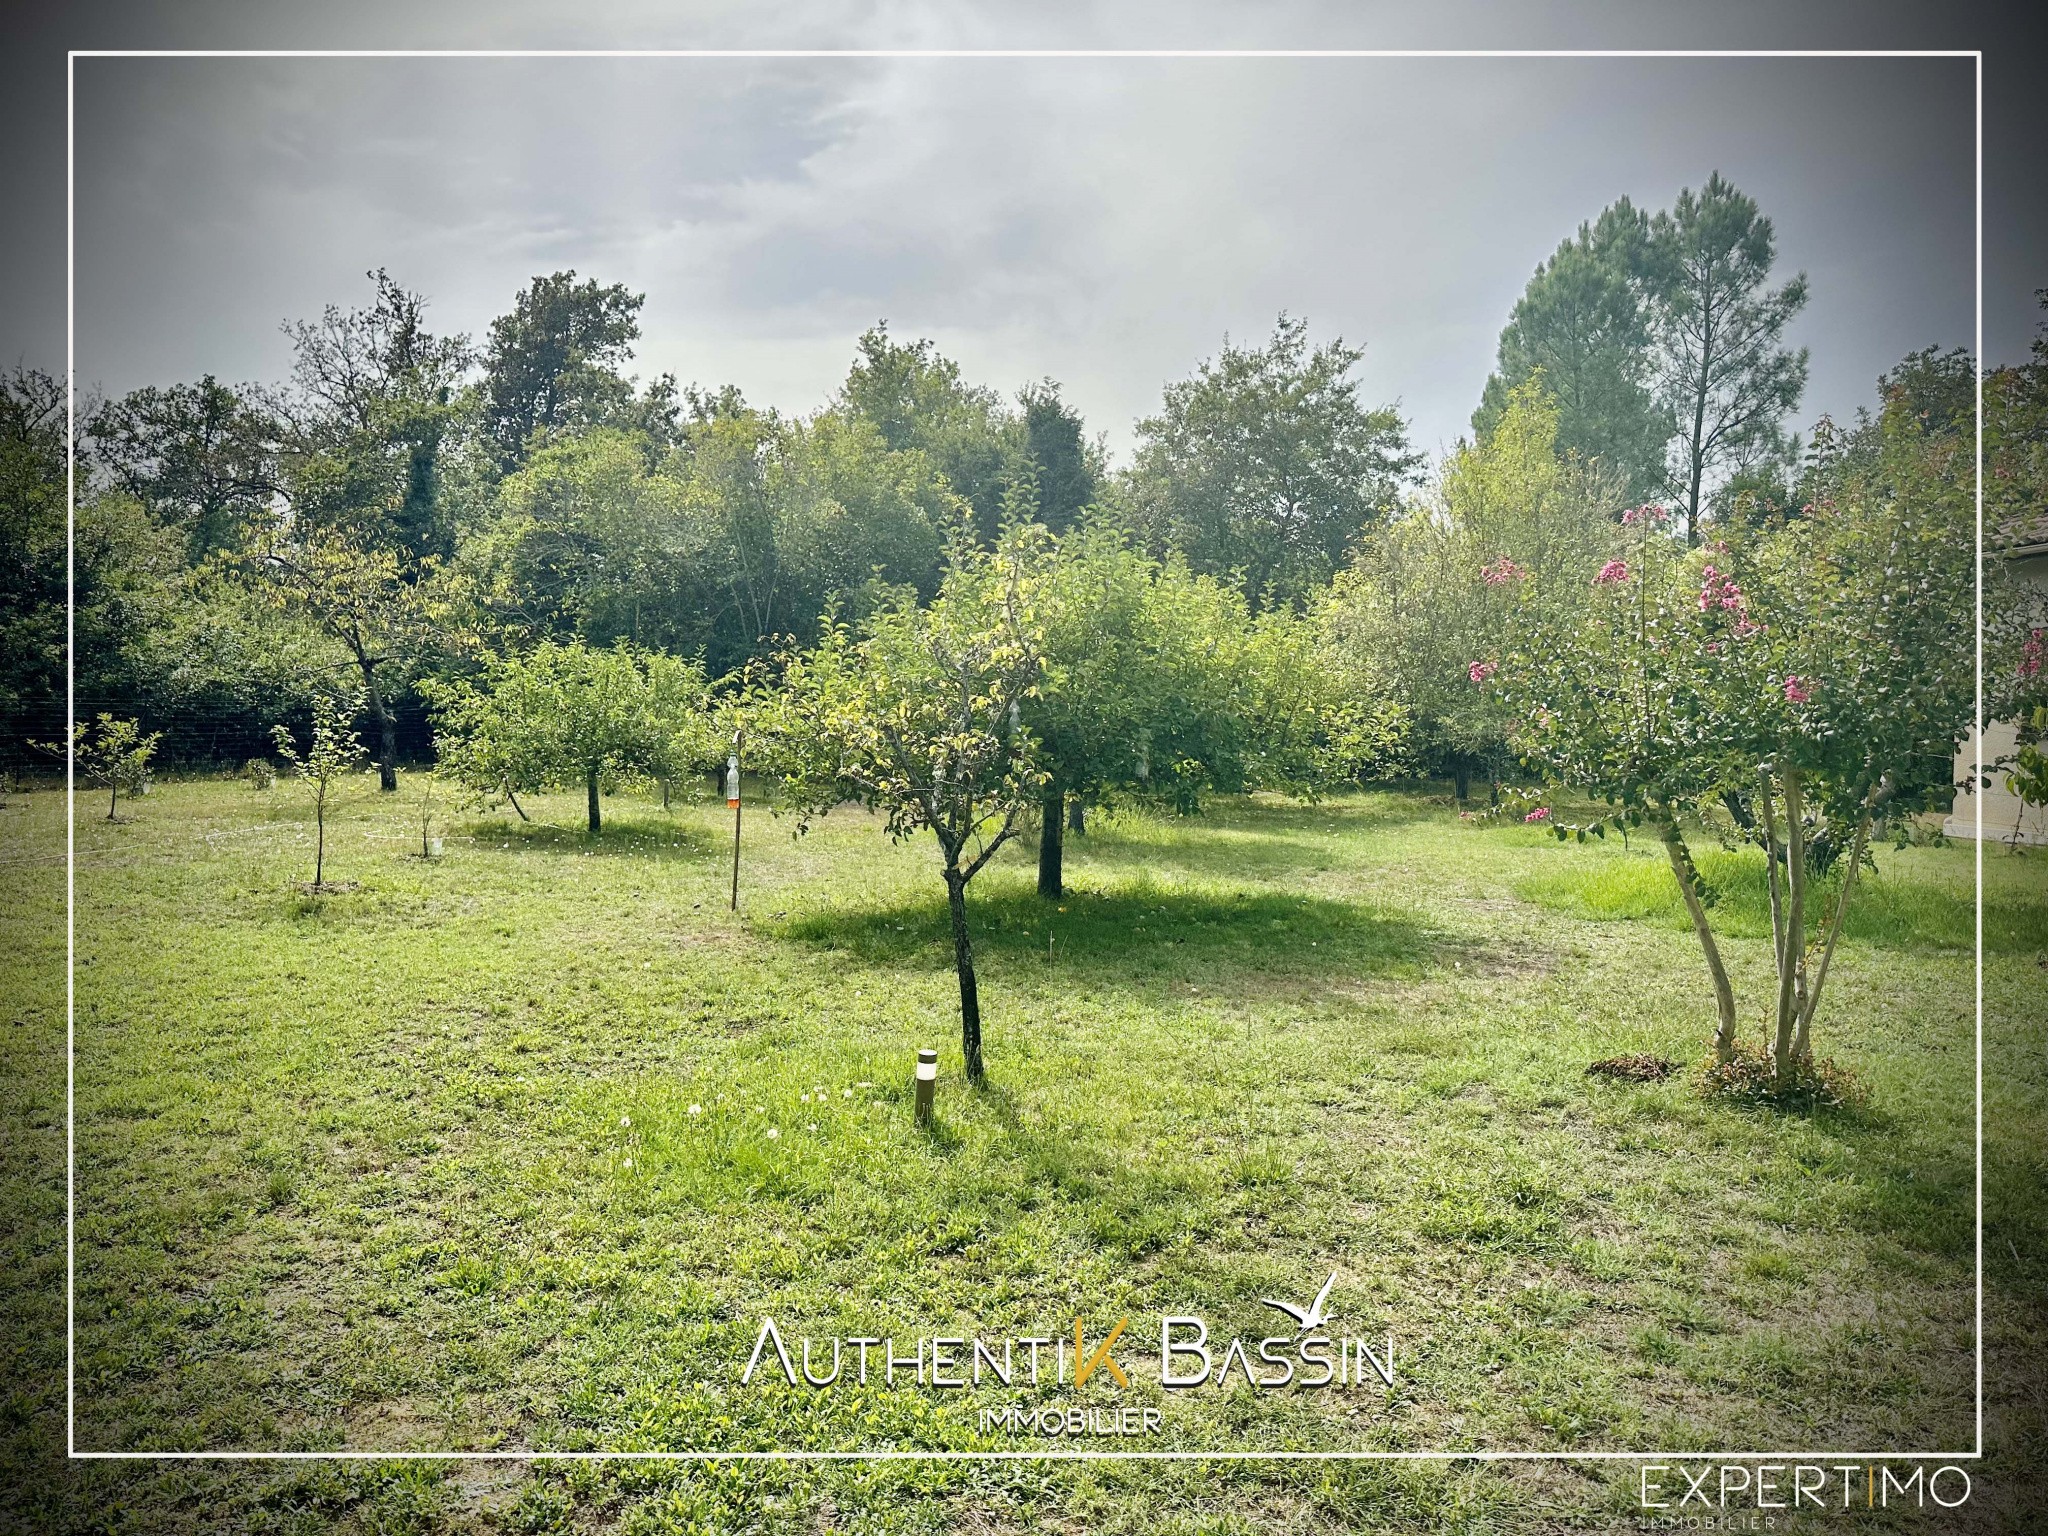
(1815, 672)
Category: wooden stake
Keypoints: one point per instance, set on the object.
(732, 798)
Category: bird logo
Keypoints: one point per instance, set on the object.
(1316, 1314)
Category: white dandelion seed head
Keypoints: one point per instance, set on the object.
(696, 1109)
(773, 1134)
(626, 1121)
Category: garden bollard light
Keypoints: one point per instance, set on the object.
(927, 1084)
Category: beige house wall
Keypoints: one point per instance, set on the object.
(2005, 815)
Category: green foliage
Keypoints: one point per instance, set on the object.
(917, 712)
(1813, 663)
(571, 715)
(917, 401)
(1582, 327)
(1424, 610)
(203, 458)
(918, 715)
(553, 364)
(1265, 468)
(32, 556)
(374, 396)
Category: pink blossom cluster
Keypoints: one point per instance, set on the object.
(1480, 671)
(1501, 571)
(1720, 591)
(1541, 813)
(2031, 655)
(1796, 692)
(1644, 514)
(1610, 573)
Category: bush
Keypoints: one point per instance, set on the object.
(259, 772)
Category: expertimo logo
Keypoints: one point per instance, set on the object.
(1800, 1485)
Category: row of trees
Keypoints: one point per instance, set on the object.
(925, 591)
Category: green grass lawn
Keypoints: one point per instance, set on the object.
(477, 1154)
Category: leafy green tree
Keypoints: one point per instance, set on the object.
(361, 595)
(1160, 685)
(852, 519)
(1430, 597)
(1066, 468)
(1117, 687)
(1723, 372)
(554, 362)
(331, 756)
(589, 539)
(1582, 327)
(1265, 468)
(568, 715)
(917, 400)
(203, 458)
(917, 714)
(114, 753)
(373, 401)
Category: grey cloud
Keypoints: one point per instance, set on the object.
(1104, 222)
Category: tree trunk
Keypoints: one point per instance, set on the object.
(320, 844)
(1790, 992)
(1077, 819)
(1461, 780)
(963, 962)
(113, 796)
(514, 799)
(1724, 993)
(1802, 1044)
(1051, 841)
(387, 730)
(590, 784)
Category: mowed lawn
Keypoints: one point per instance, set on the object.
(513, 1148)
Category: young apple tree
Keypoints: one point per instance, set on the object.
(918, 715)
(567, 716)
(335, 753)
(115, 753)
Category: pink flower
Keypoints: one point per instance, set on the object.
(1500, 572)
(1612, 572)
(2031, 655)
(1796, 692)
(1644, 514)
(1718, 590)
(1480, 671)
(1541, 813)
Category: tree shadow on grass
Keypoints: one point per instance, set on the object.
(646, 837)
(1131, 933)
(1241, 836)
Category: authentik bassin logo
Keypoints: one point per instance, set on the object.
(1077, 1355)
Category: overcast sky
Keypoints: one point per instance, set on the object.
(1103, 222)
